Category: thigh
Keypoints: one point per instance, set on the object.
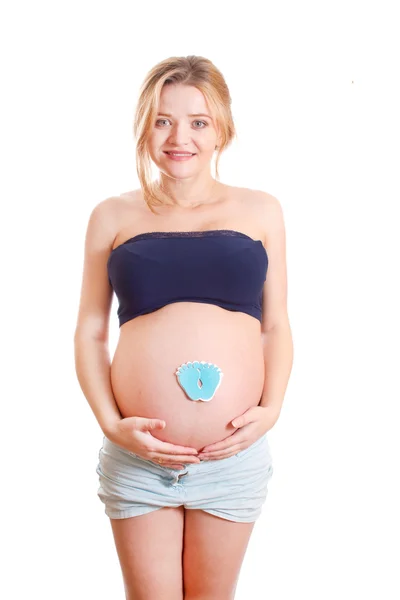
(213, 552)
(149, 549)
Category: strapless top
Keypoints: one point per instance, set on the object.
(219, 266)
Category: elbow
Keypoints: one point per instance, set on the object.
(282, 325)
(85, 332)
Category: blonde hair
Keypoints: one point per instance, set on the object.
(196, 71)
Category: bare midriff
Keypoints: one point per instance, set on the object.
(150, 349)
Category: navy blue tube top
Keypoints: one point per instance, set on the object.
(219, 266)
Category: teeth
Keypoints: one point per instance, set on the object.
(176, 154)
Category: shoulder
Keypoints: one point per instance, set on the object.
(113, 205)
(265, 210)
(265, 202)
(259, 200)
(269, 211)
(114, 210)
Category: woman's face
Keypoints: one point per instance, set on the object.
(184, 123)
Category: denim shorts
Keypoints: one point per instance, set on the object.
(233, 488)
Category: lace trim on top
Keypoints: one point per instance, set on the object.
(209, 232)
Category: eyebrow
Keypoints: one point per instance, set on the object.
(194, 115)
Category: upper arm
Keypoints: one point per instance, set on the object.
(96, 291)
(274, 306)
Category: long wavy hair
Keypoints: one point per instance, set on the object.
(196, 71)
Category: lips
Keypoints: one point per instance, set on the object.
(179, 157)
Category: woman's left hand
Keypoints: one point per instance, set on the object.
(250, 426)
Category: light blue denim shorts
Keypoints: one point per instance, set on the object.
(233, 488)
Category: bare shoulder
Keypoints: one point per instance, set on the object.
(114, 205)
(261, 208)
(264, 201)
(107, 208)
(258, 200)
(111, 213)
(269, 212)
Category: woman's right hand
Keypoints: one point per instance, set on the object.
(134, 434)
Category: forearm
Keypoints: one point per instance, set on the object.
(278, 360)
(92, 365)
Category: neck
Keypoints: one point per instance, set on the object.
(184, 195)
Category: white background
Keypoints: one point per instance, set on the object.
(316, 96)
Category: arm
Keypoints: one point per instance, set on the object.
(278, 360)
(92, 362)
(276, 333)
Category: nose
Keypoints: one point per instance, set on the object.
(179, 135)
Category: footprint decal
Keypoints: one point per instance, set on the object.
(199, 379)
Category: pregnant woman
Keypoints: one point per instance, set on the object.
(205, 348)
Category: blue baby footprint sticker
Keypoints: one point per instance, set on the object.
(199, 379)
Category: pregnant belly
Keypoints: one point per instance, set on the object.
(152, 347)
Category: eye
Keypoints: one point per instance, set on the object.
(158, 120)
(203, 122)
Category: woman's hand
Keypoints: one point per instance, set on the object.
(134, 434)
(251, 425)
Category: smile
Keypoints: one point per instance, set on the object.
(179, 155)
